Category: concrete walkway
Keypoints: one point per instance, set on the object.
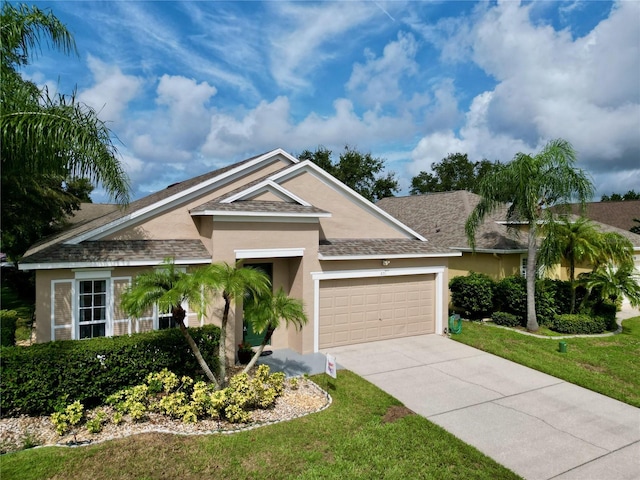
(537, 425)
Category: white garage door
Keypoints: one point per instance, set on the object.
(367, 309)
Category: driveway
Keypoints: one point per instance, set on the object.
(537, 425)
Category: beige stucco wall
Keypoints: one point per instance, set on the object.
(497, 266)
(348, 220)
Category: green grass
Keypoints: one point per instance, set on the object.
(347, 440)
(608, 365)
(9, 300)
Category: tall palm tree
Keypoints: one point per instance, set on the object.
(575, 242)
(529, 185)
(266, 313)
(168, 287)
(234, 281)
(613, 283)
(41, 135)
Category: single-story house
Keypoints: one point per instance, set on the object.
(499, 251)
(362, 274)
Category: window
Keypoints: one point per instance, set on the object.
(165, 320)
(93, 308)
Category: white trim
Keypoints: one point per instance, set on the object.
(337, 185)
(252, 215)
(269, 253)
(266, 186)
(180, 197)
(390, 272)
(386, 257)
(117, 263)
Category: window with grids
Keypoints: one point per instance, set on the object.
(93, 308)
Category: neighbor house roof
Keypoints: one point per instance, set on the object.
(617, 214)
(340, 249)
(441, 217)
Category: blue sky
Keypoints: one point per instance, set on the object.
(188, 87)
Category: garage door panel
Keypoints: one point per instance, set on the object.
(368, 309)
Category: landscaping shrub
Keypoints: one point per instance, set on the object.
(608, 311)
(507, 319)
(35, 380)
(561, 291)
(472, 294)
(511, 297)
(578, 324)
(8, 321)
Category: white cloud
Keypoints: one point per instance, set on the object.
(112, 90)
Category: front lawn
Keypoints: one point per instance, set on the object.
(351, 439)
(608, 365)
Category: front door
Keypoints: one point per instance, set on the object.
(248, 335)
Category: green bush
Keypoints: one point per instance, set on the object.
(511, 297)
(472, 294)
(608, 311)
(578, 324)
(507, 319)
(35, 380)
(8, 321)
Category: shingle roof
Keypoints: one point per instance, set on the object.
(440, 218)
(125, 251)
(259, 206)
(394, 247)
(617, 214)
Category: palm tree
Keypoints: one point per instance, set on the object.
(575, 242)
(265, 315)
(40, 135)
(168, 288)
(234, 282)
(529, 185)
(613, 283)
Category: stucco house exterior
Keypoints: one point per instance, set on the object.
(499, 252)
(362, 274)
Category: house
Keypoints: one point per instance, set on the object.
(617, 214)
(362, 274)
(499, 251)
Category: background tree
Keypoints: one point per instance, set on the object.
(636, 228)
(581, 242)
(266, 313)
(43, 140)
(168, 287)
(529, 185)
(455, 172)
(360, 171)
(616, 197)
(234, 282)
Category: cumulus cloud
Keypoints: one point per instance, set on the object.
(112, 90)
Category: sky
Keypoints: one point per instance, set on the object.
(189, 87)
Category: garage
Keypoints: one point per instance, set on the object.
(357, 310)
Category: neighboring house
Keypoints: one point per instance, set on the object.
(441, 218)
(362, 274)
(617, 214)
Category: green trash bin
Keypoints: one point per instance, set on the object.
(562, 347)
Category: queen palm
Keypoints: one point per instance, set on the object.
(168, 287)
(234, 282)
(41, 135)
(529, 185)
(266, 313)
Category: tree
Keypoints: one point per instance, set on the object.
(636, 228)
(44, 138)
(578, 242)
(616, 197)
(234, 282)
(360, 171)
(613, 283)
(456, 172)
(168, 287)
(265, 315)
(529, 185)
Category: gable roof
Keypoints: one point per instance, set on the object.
(616, 214)
(441, 218)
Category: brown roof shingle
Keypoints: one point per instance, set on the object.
(376, 247)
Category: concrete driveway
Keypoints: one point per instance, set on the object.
(537, 425)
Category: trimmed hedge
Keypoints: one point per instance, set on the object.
(8, 322)
(511, 297)
(473, 294)
(577, 324)
(507, 319)
(35, 380)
